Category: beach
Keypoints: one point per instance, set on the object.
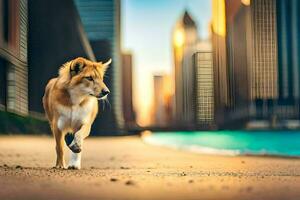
(127, 168)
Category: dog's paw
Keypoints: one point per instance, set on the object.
(71, 143)
(74, 167)
(58, 167)
(75, 148)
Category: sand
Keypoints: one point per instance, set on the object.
(126, 168)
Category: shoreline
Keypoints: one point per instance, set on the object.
(228, 143)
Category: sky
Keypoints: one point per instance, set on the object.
(147, 27)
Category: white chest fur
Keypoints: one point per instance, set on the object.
(71, 118)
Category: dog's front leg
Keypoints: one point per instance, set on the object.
(76, 146)
(59, 138)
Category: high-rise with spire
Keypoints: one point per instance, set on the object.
(185, 38)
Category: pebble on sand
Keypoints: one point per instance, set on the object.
(19, 167)
(113, 179)
(124, 167)
(129, 182)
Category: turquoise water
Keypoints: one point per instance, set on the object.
(281, 143)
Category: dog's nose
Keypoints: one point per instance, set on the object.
(105, 92)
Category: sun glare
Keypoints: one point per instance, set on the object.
(179, 38)
(219, 19)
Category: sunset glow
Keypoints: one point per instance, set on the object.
(246, 2)
(218, 16)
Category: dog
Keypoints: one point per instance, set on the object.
(71, 105)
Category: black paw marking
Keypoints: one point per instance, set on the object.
(69, 137)
(75, 148)
(72, 168)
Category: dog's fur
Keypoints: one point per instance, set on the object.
(70, 103)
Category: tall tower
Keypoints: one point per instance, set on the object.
(185, 38)
(254, 58)
(220, 68)
(101, 21)
(127, 87)
(288, 34)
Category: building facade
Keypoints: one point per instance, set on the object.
(249, 60)
(101, 21)
(48, 52)
(163, 105)
(252, 58)
(127, 93)
(185, 39)
(220, 67)
(204, 89)
(13, 56)
(288, 27)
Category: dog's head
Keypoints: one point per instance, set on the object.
(86, 77)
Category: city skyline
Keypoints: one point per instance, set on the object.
(137, 17)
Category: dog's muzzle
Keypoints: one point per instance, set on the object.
(102, 95)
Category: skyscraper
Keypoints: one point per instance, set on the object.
(101, 21)
(288, 33)
(204, 89)
(47, 52)
(127, 87)
(248, 58)
(162, 101)
(221, 72)
(185, 38)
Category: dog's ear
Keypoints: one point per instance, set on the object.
(106, 65)
(76, 66)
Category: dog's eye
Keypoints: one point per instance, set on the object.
(89, 78)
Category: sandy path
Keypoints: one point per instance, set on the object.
(126, 168)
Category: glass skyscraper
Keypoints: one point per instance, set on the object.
(101, 21)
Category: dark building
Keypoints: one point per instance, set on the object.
(101, 21)
(288, 29)
(127, 94)
(56, 36)
(13, 56)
